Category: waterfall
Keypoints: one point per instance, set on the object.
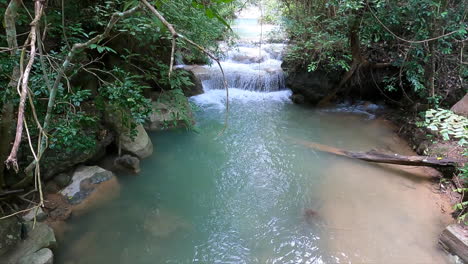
(247, 67)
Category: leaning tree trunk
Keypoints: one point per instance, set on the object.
(7, 113)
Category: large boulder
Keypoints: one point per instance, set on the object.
(136, 142)
(454, 239)
(61, 161)
(140, 145)
(313, 86)
(10, 234)
(461, 108)
(91, 186)
(127, 163)
(38, 236)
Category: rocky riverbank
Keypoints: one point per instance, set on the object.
(77, 185)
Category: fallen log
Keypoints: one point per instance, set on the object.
(379, 157)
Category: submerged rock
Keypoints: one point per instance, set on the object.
(455, 240)
(127, 163)
(161, 223)
(140, 146)
(91, 186)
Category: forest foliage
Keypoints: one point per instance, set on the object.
(93, 57)
(423, 39)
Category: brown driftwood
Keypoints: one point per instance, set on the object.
(378, 157)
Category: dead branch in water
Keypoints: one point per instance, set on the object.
(379, 157)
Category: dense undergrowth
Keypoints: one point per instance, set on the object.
(117, 75)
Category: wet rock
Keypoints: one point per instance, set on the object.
(38, 236)
(91, 187)
(10, 234)
(127, 163)
(313, 86)
(140, 146)
(461, 108)
(43, 256)
(202, 73)
(298, 98)
(62, 180)
(38, 213)
(455, 240)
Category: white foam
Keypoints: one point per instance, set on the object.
(217, 98)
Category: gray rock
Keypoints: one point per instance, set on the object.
(298, 98)
(74, 192)
(127, 163)
(43, 256)
(62, 180)
(140, 146)
(37, 238)
(38, 213)
(454, 239)
(461, 107)
(10, 234)
(91, 187)
(313, 86)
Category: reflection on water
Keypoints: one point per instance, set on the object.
(253, 196)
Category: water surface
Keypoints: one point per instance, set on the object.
(246, 196)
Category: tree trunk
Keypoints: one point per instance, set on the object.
(7, 117)
(378, 157)
(357, 59)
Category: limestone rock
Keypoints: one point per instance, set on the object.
(43, 256)
(455, 240)
(127, 163)
(140, 146)
(10, 234)
(91, 186)
(461, 108)
(38, 236)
